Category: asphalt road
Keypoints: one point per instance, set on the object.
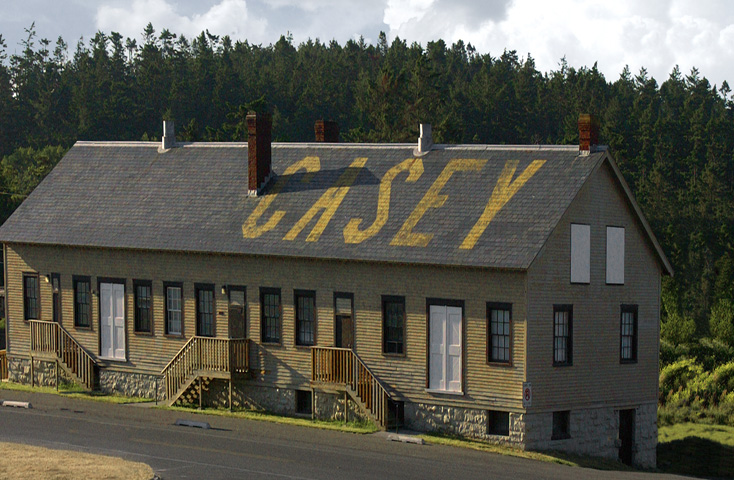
(236, 448)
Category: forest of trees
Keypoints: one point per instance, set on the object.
(673, 140)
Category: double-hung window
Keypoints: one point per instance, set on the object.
(628, 334)
(31, 297)
(143, 306)
(82, 302)
(562, 334)
(174, 308)
(305, 303)
(270, 315)
(499, 316)
(393, 325)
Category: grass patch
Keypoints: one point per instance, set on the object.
(696, 449)
(350, 427)
(29, 462)
(552, 457)
(73, 391)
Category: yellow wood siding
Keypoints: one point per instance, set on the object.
(596, 376)
(285, 365)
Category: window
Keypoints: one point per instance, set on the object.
(561, 425)
(615, 255)
(304, 403)
(305, 305)
(580, 253)
(56, 297)
(174, 308)
(393, 325)
(204, 310)
(562, 334)
(143, 305)
(270, 312)
(31, 301)
(498, 339)
(498, 423)
(82, 302)
(628, 334)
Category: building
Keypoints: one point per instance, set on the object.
(510, 293)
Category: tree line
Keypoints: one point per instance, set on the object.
(674, 140)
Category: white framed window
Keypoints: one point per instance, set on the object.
(615, 255)
(580, 253)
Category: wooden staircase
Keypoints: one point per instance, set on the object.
(50, 341)
(201, 360)
(343, 367)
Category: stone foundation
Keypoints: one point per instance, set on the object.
(330, 406)
(43, 372)
(131, 384)
(245, 395)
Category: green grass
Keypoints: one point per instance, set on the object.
(350, 427)
(696, 449)
(73, 391)
(552, 457)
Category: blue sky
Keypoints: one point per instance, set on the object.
(656, 34)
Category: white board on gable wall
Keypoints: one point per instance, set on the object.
(615, 255)
(580, 253)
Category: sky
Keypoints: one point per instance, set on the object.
(655, 34)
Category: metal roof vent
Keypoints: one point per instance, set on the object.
(425, 141)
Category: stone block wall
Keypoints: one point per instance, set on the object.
(44, 372)
(132, 384)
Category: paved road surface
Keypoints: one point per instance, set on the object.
(236, 448)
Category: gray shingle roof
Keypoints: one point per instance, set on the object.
(194, 198)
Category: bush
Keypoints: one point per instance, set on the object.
(721, 321)
(675, 377)
(722, 380)
(678, 329)
(711, 353)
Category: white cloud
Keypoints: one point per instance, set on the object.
(228, 17)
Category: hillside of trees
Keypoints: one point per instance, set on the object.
(673, 140)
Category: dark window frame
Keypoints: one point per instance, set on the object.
(80, 309)
(278, 327)
(632, 358)
(137, 308)
(350, 296)
(568, 337)
(198, 289)
(298, 321)
(387, 299)
(36, 300)
(561, 425)
(237, 288)
(166, 329)
(499, 306)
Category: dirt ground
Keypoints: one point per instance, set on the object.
(28, 462)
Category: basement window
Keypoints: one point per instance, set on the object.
(498, 423)
(304, 402)
(561, 425)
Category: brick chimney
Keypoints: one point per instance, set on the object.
(258, 151)
(588, 133)
(326, 131)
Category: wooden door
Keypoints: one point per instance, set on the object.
(344, 320)
(56, 298)
(626, 435)
(237, 326)
(112, 320)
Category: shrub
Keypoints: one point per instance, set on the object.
(722, 380)
(676, 376)
(678, 329)
(711, 353)
(721, 321)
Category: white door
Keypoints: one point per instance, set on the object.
(112, 320)
(445, 351)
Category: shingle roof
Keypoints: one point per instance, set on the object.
(194, 198)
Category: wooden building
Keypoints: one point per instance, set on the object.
(510, 293)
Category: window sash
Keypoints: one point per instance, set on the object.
(271, 312)
(394, 326)
(499, 334)
(562, 318)
(143, 294)
(305, 319)
(174, 311)
(205, 311)
(628, 334)
(82, 303)
(30, 297)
